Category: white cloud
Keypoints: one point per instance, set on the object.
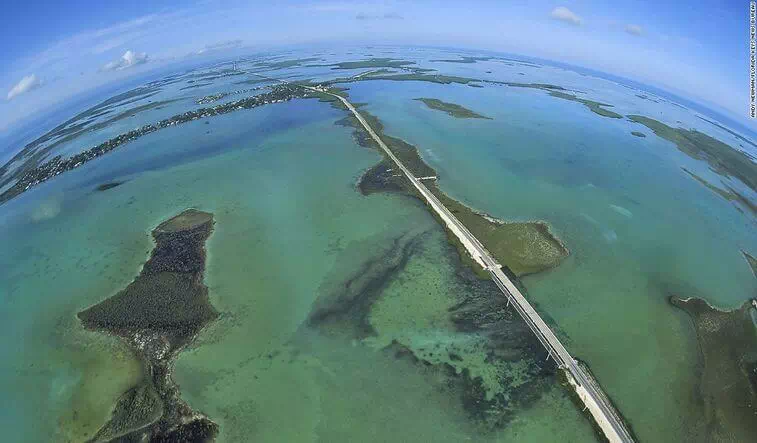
(129, 59)
(634, 29)
(67, 53)
(566, 15)
(25, 85)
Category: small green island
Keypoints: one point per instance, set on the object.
(594, 106)
(452, 109)
(638, 134)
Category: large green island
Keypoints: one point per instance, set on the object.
(158, 315)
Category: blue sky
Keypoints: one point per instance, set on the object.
(51, 52)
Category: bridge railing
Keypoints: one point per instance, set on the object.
(534, 328)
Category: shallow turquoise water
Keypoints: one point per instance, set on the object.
(289, 225)
(639, 230)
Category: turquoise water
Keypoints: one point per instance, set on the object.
(292, 230)
(639, 230)
(289, 226)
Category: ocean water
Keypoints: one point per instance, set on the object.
(292, 233)
(639, 230)
(290, 228)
